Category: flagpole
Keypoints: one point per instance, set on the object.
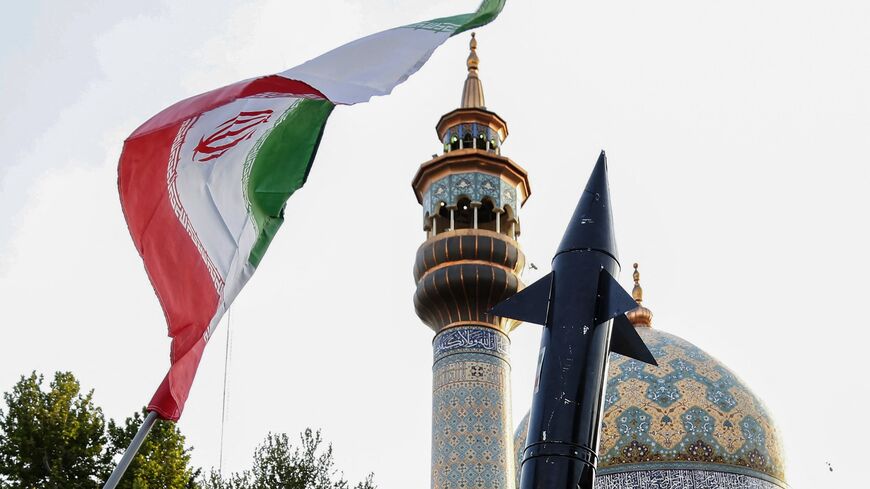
(224, 401)
(134, 447)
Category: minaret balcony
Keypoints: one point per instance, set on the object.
(470, 174)
(461, 274)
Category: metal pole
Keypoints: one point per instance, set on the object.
(134, 447)
(224, 402)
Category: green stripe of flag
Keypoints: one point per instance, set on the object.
(486, 13)
(281, 166)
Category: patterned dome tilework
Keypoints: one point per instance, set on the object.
(690, 413)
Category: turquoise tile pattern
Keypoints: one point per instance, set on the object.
(475, 186)
(471, 418)
(688, 423)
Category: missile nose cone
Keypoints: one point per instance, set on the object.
(591, 226)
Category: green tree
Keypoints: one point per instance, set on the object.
(162, 461)
(279, 465)
(53, 439)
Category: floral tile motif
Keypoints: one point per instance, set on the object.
(474, 186)
(471, 419)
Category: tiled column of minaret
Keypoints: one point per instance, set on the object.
(471, 416)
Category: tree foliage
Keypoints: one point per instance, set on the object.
(52, 439)
(58, 439)
(279, 465)
(162, 461)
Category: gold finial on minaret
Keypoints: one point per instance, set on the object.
(473, 60)
(640, 317)
(472, 92)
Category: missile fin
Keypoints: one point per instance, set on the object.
(530, 305)
(613, 300)
(625, 341)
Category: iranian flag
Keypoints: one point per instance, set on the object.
(203, 184)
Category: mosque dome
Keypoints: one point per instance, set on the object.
(689, 423)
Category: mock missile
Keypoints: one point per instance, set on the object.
(582, 308)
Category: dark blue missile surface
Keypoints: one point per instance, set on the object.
(582, 308)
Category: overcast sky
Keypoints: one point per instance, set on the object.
(737, 138)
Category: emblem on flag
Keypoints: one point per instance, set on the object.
(229, 134)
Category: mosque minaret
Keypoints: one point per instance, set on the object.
(469, 262)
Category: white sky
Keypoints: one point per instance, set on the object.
(737, 137)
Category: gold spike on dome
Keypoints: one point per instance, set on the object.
(640, 317)
(472, 92)
(637, 291)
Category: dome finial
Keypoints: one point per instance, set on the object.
(637, 291)
(640, 317)
(472, 92)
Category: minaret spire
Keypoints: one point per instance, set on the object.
(472, 92)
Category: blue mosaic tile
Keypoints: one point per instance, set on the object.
(689, 411)
(471, 442)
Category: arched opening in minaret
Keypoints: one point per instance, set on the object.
(480, 141)
(463, 215)
(454, 142)
(427, 225)
(508, 222)
(486, 216)
(440, 221)
(467, 140)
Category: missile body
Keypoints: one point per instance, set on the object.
(582, 308)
